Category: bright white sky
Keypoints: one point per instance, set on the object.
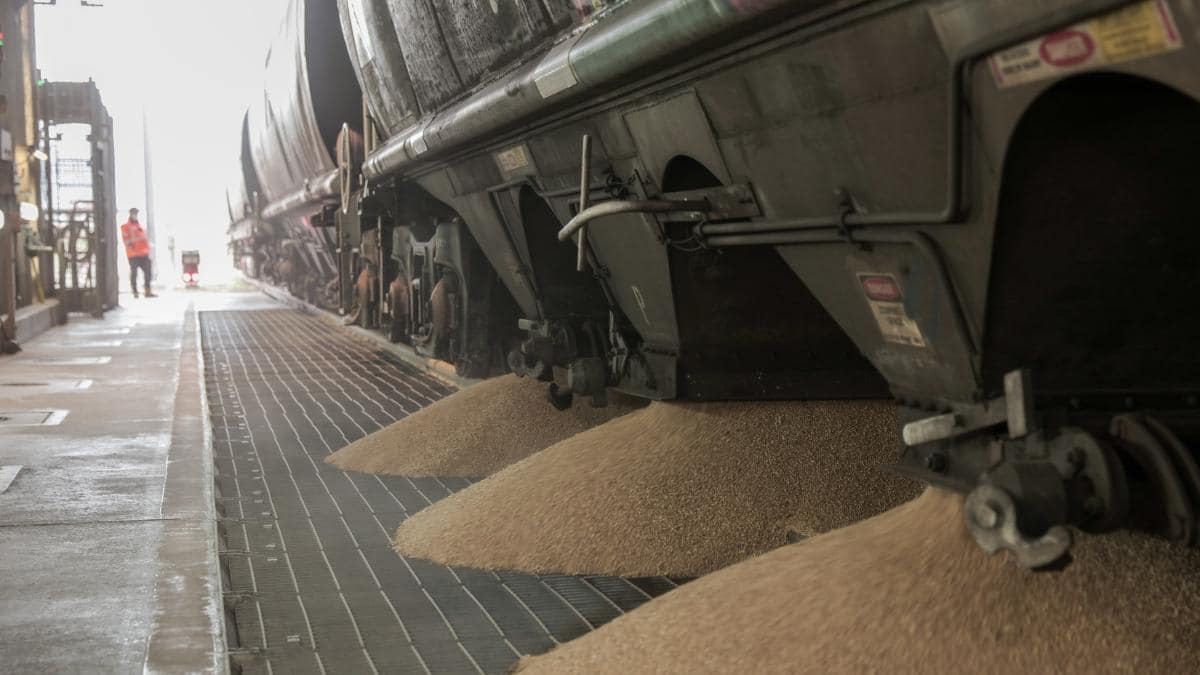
(191, 66)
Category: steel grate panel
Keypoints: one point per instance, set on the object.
(593, 606)
(313, 583)
(620, 592)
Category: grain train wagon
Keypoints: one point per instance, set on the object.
(976, 207)
(287, 149)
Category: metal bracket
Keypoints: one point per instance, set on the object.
(725, 202)
(949, 425)
(992, 518)
(1018, 402)
(844, 229)
(1015, 407)
(587, 212)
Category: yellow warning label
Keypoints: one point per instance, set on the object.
(1137, 31)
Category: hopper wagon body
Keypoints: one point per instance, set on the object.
(977, 208)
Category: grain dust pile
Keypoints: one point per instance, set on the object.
(908, 591)
(474, 432)
(675, 489)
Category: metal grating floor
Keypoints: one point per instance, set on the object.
(312, 584)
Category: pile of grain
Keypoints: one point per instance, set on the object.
(908, 591)
(474, 432)
(674, 489)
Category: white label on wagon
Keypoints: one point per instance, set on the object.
(1134, 32)
(512, 159)
(887, 305)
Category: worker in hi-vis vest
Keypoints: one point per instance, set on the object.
(137, 249)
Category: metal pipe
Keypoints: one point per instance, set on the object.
(713, 230)
(309, 196)
(785, 238)
(585, 181)
(807, 223)
(630, 40)
(368, 127)
(619, 206)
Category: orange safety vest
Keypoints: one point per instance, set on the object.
(136, 243)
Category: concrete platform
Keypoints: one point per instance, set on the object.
(107, 527)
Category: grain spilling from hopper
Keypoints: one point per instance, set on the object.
(474, 432)
(675, 489)
(908, 591)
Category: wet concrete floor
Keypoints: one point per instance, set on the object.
(107, 543)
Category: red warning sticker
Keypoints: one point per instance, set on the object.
(1067, 48)
(882, 287)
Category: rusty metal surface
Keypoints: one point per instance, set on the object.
(434, 77)
(311, 578)
(309, 91)
(382, 73)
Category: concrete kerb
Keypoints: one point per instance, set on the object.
(188, 630)
(439, 369)
(38, 318)
(216, 586)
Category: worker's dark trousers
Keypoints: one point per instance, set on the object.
(141, 262)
